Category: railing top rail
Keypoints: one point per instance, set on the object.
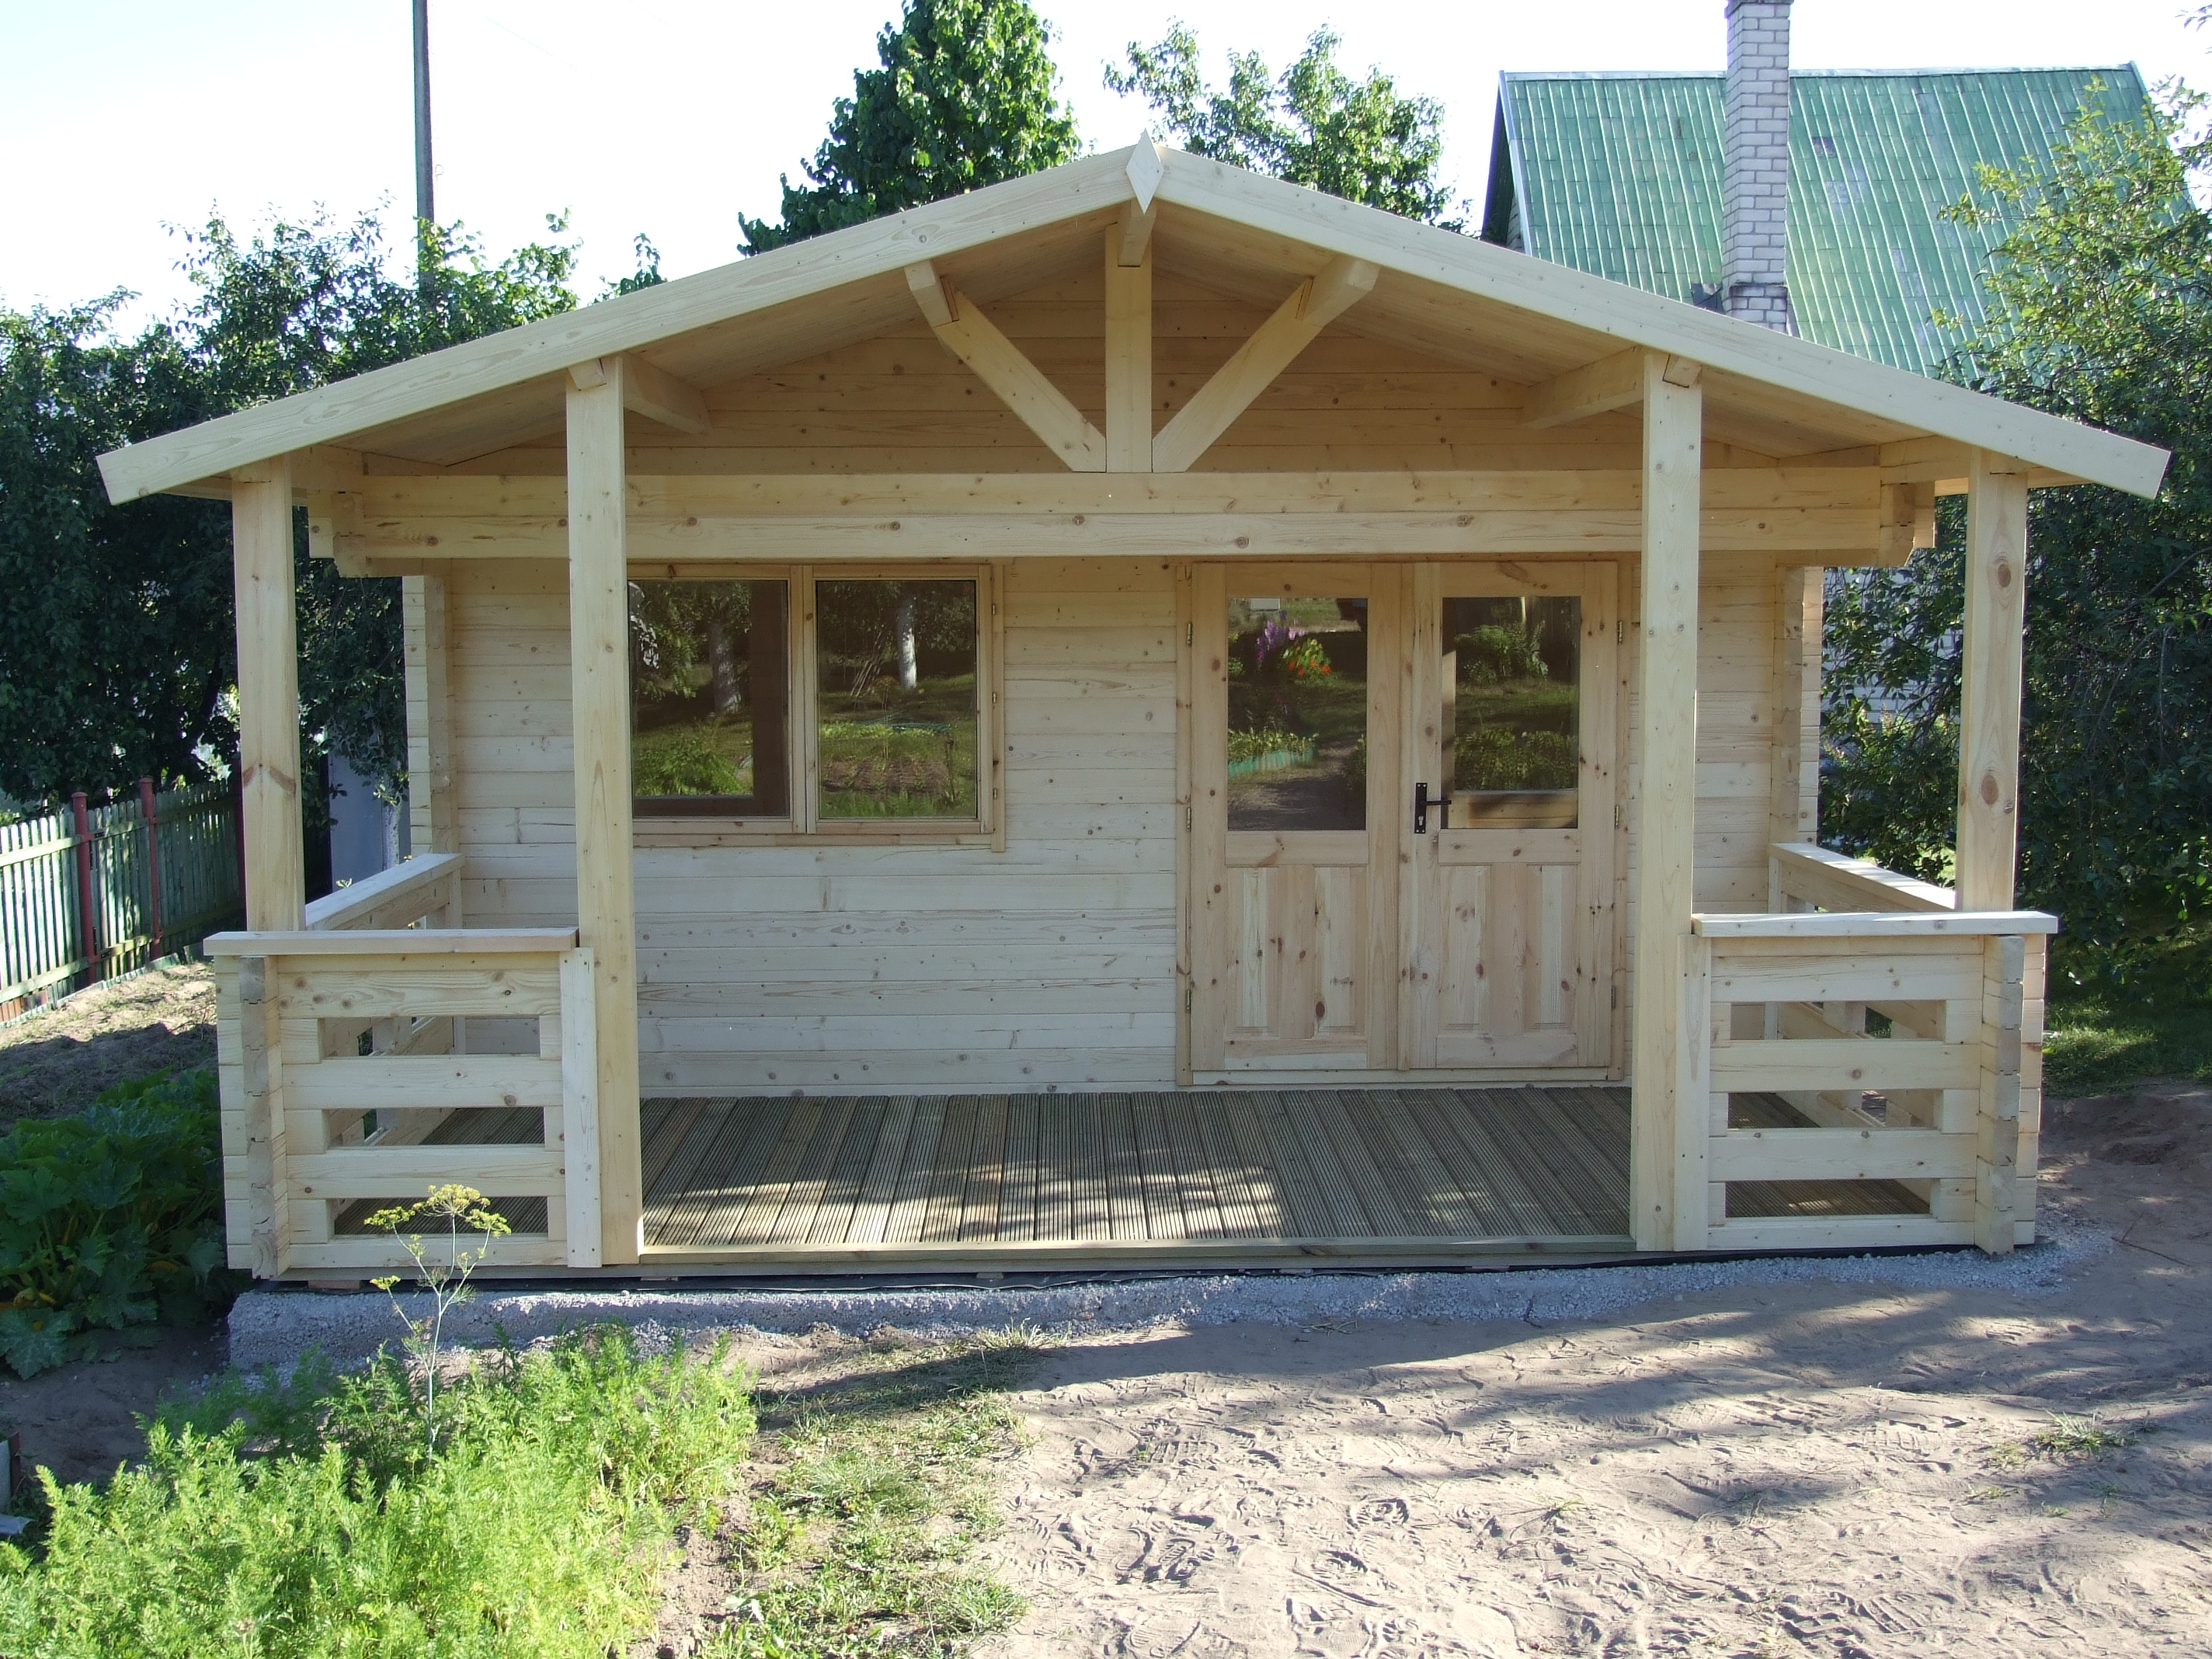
(1875, 924)
(423, 872)
(395, 942)
(1832, 874)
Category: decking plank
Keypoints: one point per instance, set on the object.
(1017, 1186)
(987, 1172)
(1445, 1206)
(664, 1137)
(871, 1211)
(911, 1207)
(743, 1132)
(1233, 1191)
(1160, 1172)
(832, 1220)
(1197, 1178)
(769, 1180)
(1461, 1127)
(1055, 1211)
(948, 1183)
(1125, 1170)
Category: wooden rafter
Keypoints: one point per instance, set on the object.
(652, 392)
(1316, 303)
(1610, 383)
(972, 338)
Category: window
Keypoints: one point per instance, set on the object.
(1513, 720)
(770, 704)
(1297, 714)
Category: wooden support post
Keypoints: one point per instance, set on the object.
(432, 823)
(1990, 674)
(1996, 1159)
(1667, 1184)
(599, 648)
(1128, 355)
(261, 1057)
(1793, 797)
(580, 1118)
(268, 698)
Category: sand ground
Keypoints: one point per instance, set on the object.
(1789, 1469)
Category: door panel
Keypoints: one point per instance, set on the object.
(1294, 905)
(1508, 925)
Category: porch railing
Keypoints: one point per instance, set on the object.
(1943, 1099)
(342, 1054)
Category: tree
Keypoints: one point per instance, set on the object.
(964, 98)
(116, 639)
(2101, 311)
(1314, 125)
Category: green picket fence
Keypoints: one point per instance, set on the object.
(88, 893)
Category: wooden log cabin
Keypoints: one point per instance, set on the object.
(1140, 716)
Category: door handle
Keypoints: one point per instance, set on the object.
(1421, 807)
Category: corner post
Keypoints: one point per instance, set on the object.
(1990, 676)
(598, 656)
(268, 698)
(1666, 1174)
(430, 717)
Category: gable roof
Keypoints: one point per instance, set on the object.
(1620, 175)
(1456, 297)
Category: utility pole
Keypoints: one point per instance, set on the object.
(426, 211)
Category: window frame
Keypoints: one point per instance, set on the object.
(804, 825)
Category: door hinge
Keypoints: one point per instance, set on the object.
(1186, 999)
(1185, 815)
(1616, 815)
(1620, 633)
(1616, 997)
(1190, 633)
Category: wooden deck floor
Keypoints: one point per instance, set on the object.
(1116, 1175)
(1433, 1174)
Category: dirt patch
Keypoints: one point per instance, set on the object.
(57, 1060)
(1795, 1467)
(81, 1420)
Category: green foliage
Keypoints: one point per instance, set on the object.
(1271, 739)
(679, 760)
(2102, 312)
(537, 1528)
(110, 1218)
(116, 639)
(1313, 125)
(1497, 656)
(964, 98)
(2116, 1013)
(1489, 759)
(862, 1538)
(115, 636)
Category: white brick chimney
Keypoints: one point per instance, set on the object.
(1755, 189)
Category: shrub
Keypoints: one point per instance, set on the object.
(1493, 656)
(537, 1528)
(110, 1218)
(1490, 758)
(681, 761)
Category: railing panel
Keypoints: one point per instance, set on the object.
(1957, 1072)
(329, 1126)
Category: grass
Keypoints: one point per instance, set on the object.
(2113, 1018)
(306, 1518)
(878, 1489)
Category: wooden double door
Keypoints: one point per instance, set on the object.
(1403, 820)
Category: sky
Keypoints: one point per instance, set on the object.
(668, 118)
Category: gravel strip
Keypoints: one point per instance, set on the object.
(275, 1327)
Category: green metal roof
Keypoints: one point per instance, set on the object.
(1620, 175)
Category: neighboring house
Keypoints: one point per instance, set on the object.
(1621, 175)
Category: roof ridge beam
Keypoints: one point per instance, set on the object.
(1000, 364)
(1274, 345)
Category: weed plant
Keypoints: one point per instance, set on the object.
(309, 1520)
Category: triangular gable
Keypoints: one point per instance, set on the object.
(1525, 319)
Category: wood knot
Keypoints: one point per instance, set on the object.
(1988, 789)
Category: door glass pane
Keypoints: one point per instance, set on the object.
(710, 698)
(1297, 714)
(1512, 726)
(896, 664)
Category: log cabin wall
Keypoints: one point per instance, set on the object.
(1051, 964)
